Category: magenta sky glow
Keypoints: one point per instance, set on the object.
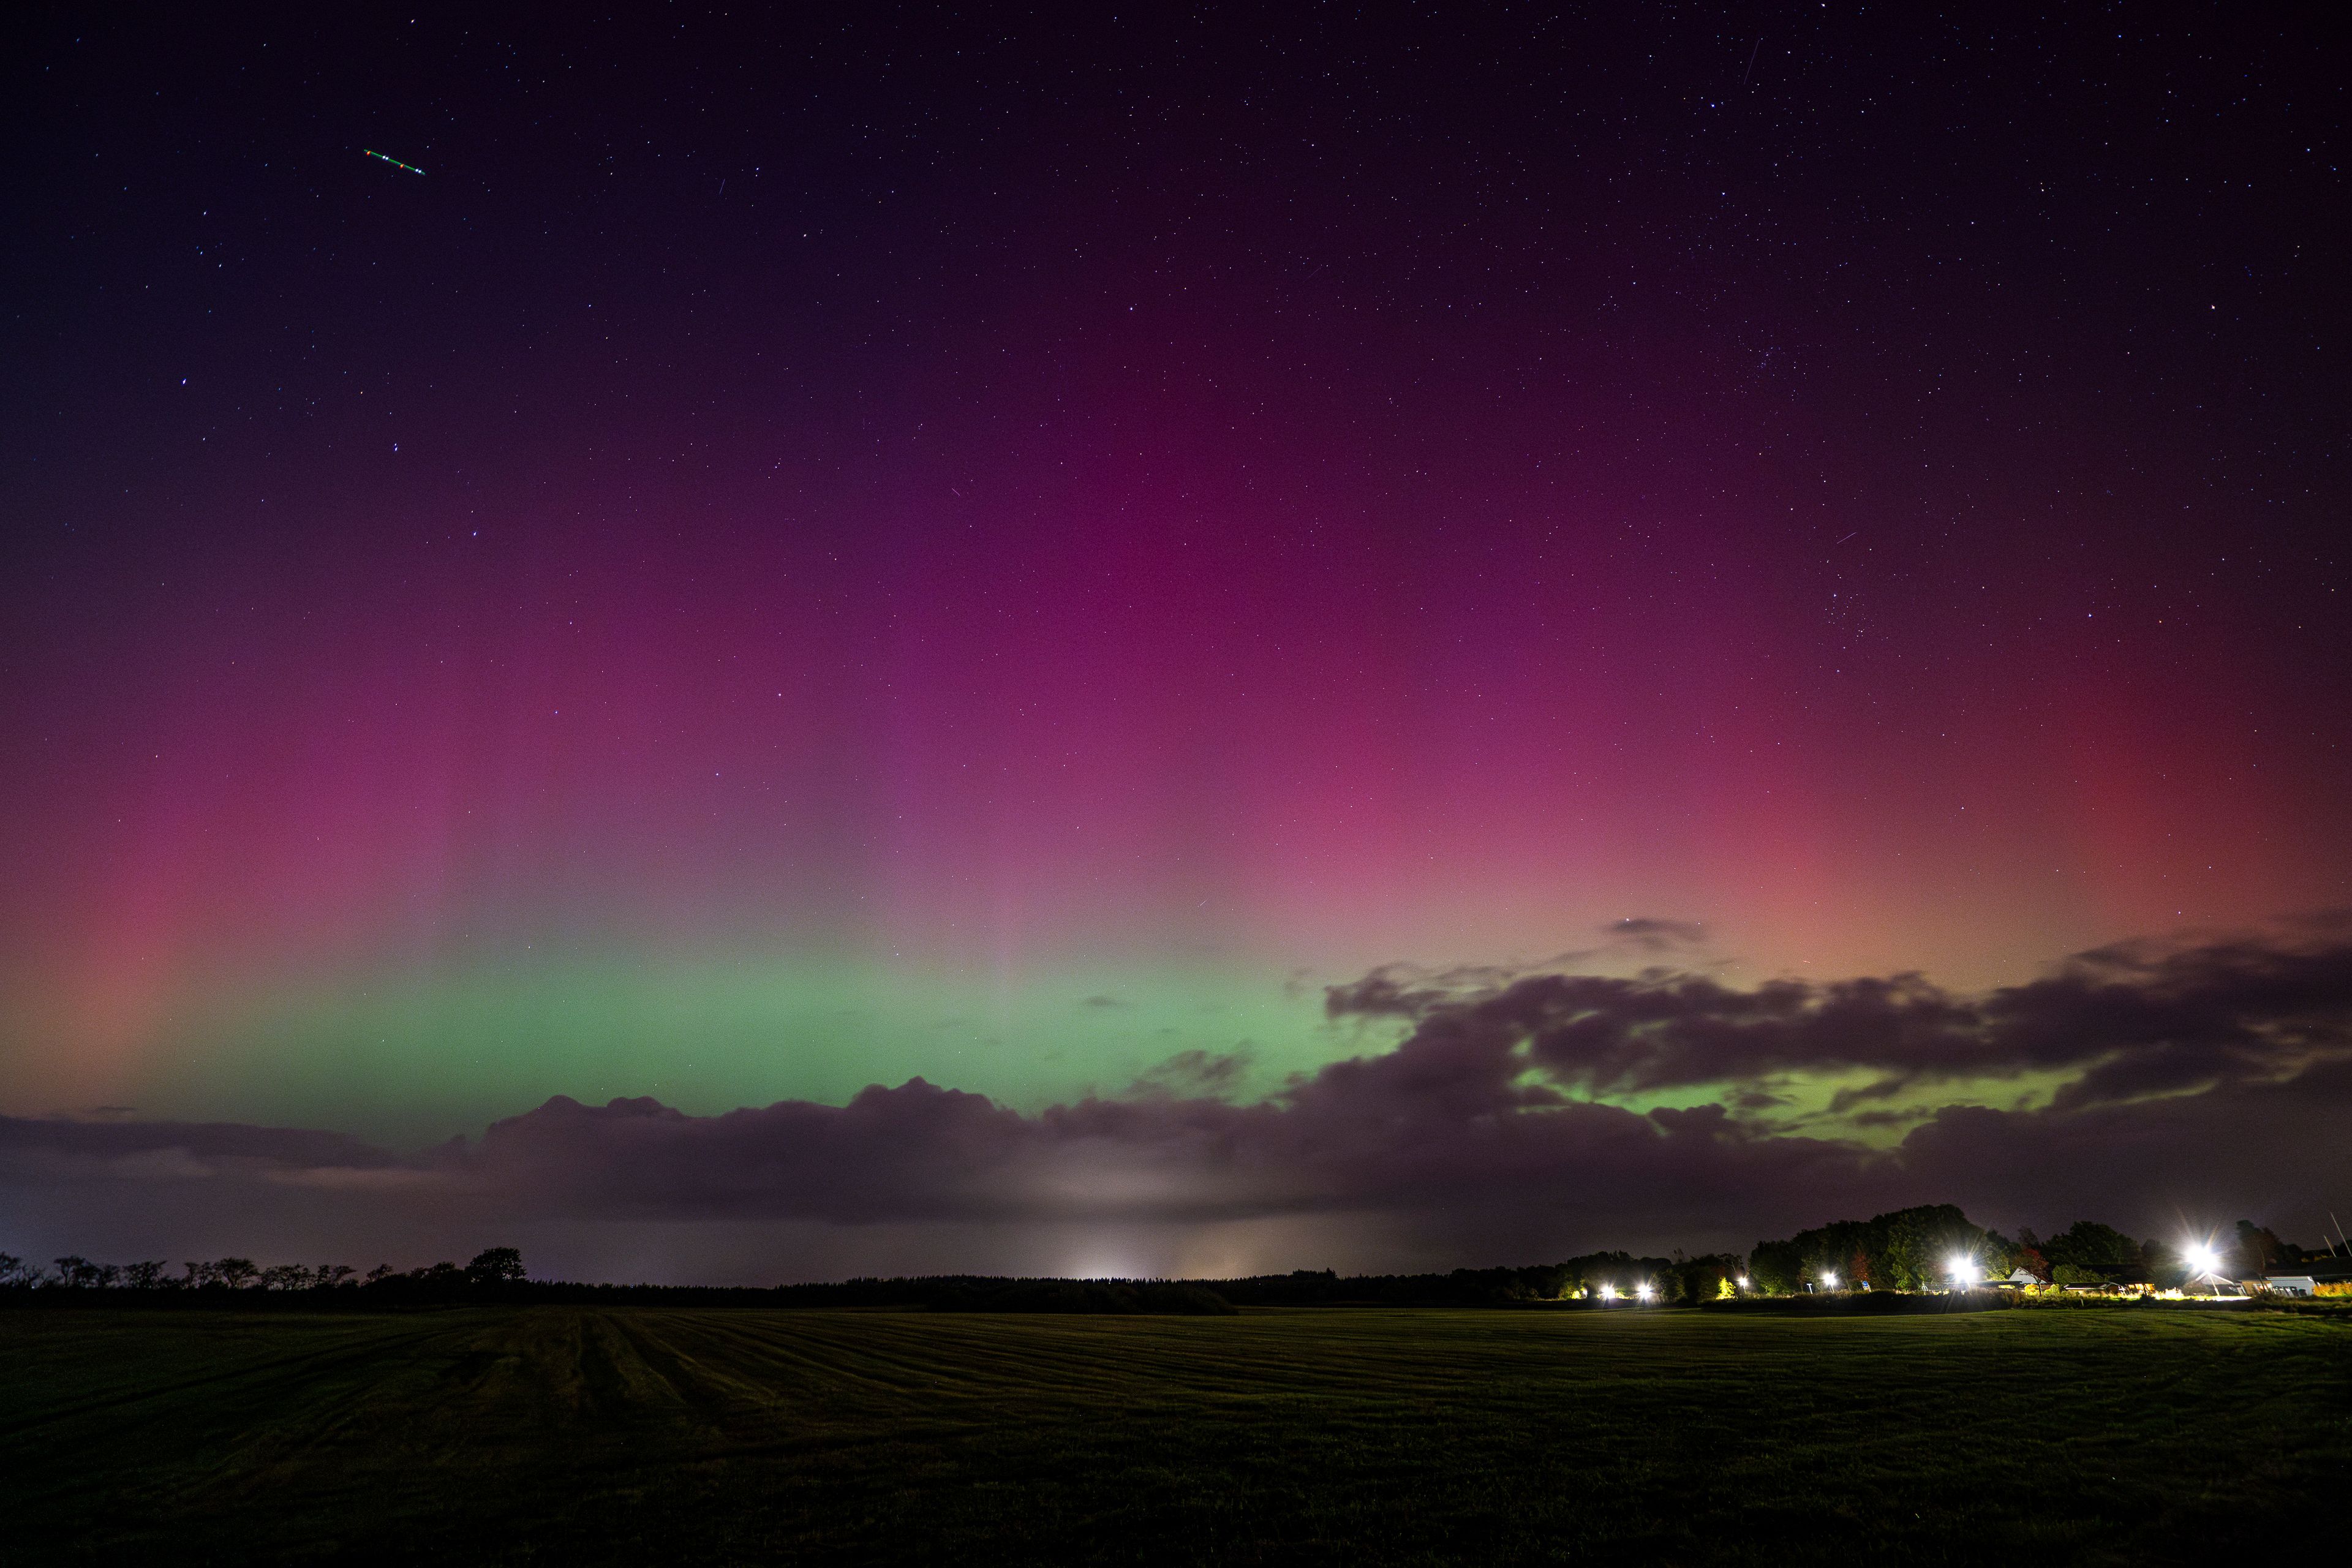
(764, 574)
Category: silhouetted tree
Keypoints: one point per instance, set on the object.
(2258, 1247)
(2088, 1242)
(1777, 1268)
(443, 1281)
(79, 1273)
(496, 1266)
(1704, 1278)
(1906, 1250)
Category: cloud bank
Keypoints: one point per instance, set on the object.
(2152, 1084)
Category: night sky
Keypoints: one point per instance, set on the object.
(1372, 638)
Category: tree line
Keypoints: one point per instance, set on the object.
(498, 1274)
(1911, 1249)
(494, 1271)
(1594, 1276)
(1915, 1248)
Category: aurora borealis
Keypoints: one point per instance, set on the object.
(1038, 557)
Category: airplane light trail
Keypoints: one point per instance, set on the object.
(393, 162)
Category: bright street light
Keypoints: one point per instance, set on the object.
(1646, 1289)
(1962, 1268)
(1743, 1281)
(2207, 1263)
(1609, 1292)
(1830, 1278)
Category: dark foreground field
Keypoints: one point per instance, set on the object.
(560, 1435)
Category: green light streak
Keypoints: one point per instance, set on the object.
(421, 1053)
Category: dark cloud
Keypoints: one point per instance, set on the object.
(2128, 1021)
(1657, 935)
(1213, 1073)
(64, 1145)
(2192, 1080)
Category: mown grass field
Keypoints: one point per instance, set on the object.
(1376, 1436)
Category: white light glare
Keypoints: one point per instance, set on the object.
(1609, 1292)
(1963, 1270)
(1743, 1281)
(1645, 1291)
(2204, 1259)
(1830, 1278)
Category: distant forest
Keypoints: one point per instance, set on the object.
(1908, 1250)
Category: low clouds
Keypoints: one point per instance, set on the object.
(66, 1146)
(2125, 1022)
(2169, 1081)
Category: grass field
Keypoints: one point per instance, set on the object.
(560, 1434)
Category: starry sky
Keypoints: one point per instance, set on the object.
(1046, 553)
